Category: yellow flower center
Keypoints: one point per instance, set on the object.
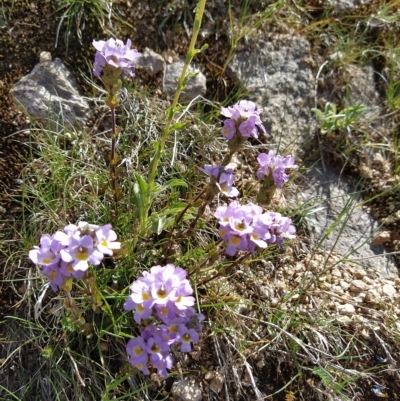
(161, 293)
(235, 240)
(82, 253)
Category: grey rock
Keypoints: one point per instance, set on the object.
(50, 95)
(195, 86)
(279, 79)
(351, 235)
(151, 61)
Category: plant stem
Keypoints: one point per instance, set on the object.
(113, 161)
(189, 56)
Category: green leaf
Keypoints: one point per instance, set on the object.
(157, 223)
(178, 126)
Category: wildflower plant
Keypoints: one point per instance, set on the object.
(66, 255)
(163, 306)
(113, 58)
(165, 316)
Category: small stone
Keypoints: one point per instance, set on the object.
(336, 273)
(368, 280)
(273, 302)
(389, 290)
(381, 238)
(344, 319)
(217, 383)
(209, 375)
(397, 283)
(347, 309)
(359, 273)
(372, 296)
(183, 390)
(359, 299)
(338, 289)
(344, 285)
(50, 94)
(324, 286)
(358, 286)
(45, 56)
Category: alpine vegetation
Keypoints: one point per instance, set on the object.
(166, 315)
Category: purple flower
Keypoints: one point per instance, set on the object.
(224, 177)
(137, 353)
(114, 53)
(187, 336)
(229, 129)
(53, 274)
(47, 253)
(164, 295)
(81, 251)
(275, 165)
(243, 120)
(106, 240)
(247, 228)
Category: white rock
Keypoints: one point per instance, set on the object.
(389, 290)
(347, 309)
(344, 285)
(336, 273)
(183, 390)
(45, 56)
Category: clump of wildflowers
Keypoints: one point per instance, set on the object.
(243, 121)
(273, 174)
(275, 166)
(67, 254)
(115, 54)
(247, 228)
(224, 179)
(164, 295)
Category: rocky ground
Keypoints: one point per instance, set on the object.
(281, 66)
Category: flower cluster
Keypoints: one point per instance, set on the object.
(224, 178)
(67, 253)
(164, 295)
(243, 120)
(116, 54)
(275, 165)
(247, 227)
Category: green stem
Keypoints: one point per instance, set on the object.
(189, 56)
(113, 172)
